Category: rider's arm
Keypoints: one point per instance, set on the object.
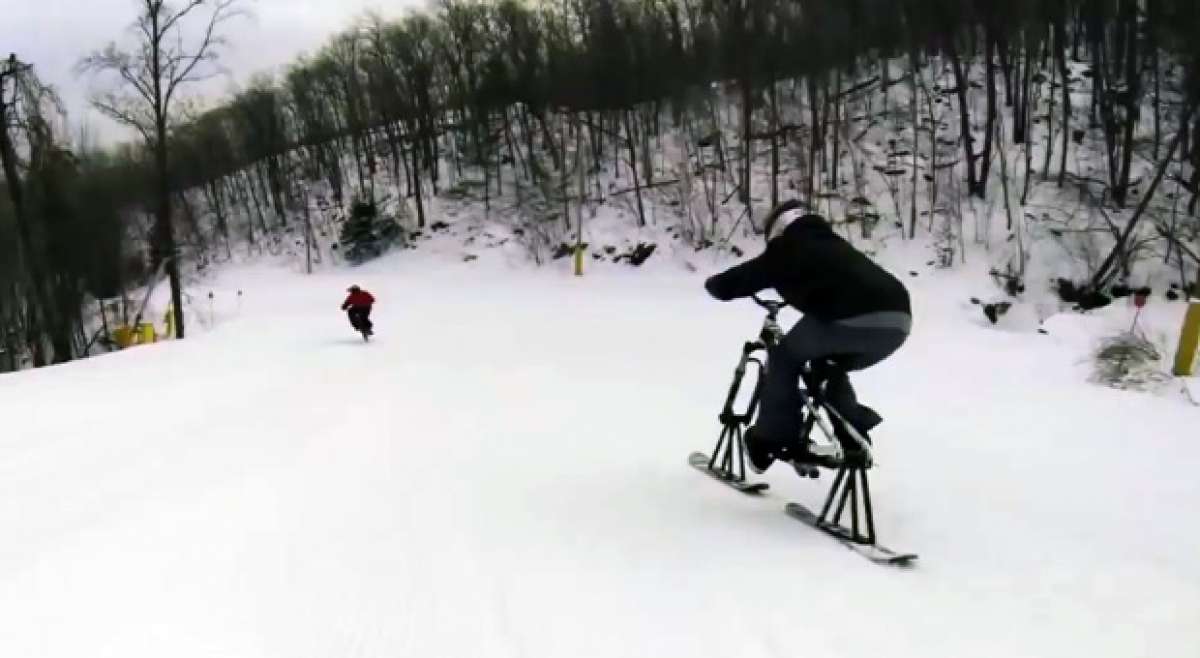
(742, 280)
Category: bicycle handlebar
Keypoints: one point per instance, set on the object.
(770, 305)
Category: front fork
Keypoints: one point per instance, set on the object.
(729, 456)
(769, 337)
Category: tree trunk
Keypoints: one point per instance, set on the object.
(409, 171)
(637, 185)
(498, 150)
(817, 137)
(647, 152)
(357, 150)
(190, 217)
(1188, 145)
(263, 190)
(1104, 272)
(1027, 130)
(274, 180)
(165, 247)
(1004, 186)
(1060, 37)
(335, 175)
(1188, 130)
(826, 103)
(1049, 150)
(433, 149)
(885, 81)
(988, 140)
(513, 150)
(1021, 112)
(251, 190)
(39, 304)
(416, 173)
(487, 178)
(1102, 100)
(933, 159)
(964, 113)
(774, 145)
(912, 76)
(394, 151)
(837, 122)
(566, 128)
(1006, 68)
(1133, 95)
(33, 338)
(1077, 33)
(1152, 20)
(214, 202)
(597, 140)
(747, 140)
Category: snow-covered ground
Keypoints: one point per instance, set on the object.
(502, 472)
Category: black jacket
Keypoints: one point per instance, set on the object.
(817, 272)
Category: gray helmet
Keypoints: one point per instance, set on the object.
(781, 217)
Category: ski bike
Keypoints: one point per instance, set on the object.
(727, 462)
(361, 324)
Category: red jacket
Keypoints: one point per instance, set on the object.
(358, 299)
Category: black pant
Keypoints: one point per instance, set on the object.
(857, 343)
(360, 318)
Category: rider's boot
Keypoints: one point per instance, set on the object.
(853, 453)
(864, 419)
(809, 454)
(762, 451)
(812, 454)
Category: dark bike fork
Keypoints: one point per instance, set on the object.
(730, 452)
(729, 455)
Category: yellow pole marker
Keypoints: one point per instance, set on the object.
(123, 335)
(1189, 336)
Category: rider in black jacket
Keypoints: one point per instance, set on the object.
(856, 314)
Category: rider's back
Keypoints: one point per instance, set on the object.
(817, 272)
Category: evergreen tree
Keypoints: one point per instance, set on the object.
(366, 235)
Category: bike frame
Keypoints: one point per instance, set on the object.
(810, 395)
(728, 456)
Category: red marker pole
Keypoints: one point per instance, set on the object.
(1139, 300)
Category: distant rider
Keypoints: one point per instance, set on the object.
(358, 308)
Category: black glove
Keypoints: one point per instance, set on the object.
(711, 285)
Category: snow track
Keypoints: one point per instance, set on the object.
(502, 472)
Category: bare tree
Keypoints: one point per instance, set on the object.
(23, 101)
(150, 77)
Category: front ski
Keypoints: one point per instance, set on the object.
(873, 552)
(701, 462)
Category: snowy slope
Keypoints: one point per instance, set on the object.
(503, 473)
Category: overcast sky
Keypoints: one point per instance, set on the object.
(54, 34)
